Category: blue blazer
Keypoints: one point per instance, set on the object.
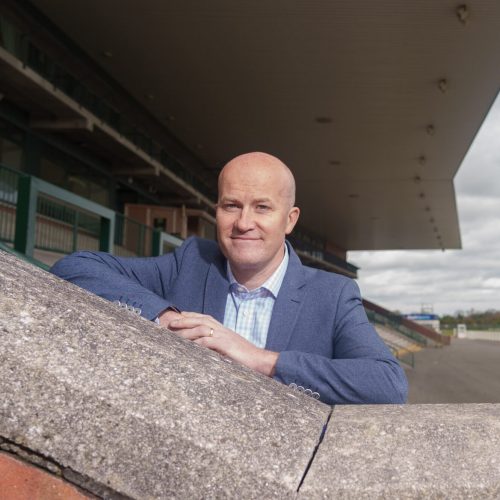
(318, 325)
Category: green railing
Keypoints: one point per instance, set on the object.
(36, 214)
(415, 337)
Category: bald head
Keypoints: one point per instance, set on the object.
(254, 214)
(266, 165)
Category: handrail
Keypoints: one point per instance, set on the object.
(407, 327)
(23, 194)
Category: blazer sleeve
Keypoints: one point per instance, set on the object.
(137, 282)
(362, 370)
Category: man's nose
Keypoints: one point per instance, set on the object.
(245, 221)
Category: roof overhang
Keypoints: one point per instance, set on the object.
(372, 104)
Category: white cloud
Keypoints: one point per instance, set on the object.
(455, 279)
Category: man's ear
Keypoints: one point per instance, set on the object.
(293, 217)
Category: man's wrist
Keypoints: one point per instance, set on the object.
(266, 362)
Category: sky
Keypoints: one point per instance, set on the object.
(453, 280)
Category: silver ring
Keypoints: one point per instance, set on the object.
(211, 334)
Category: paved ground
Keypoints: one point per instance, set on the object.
(467, 371)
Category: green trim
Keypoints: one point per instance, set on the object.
(24, 239)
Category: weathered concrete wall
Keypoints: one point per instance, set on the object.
(118, 404)
(413, 451)
(122, 408)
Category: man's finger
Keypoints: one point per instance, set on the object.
(193, 333)
(192, 322)
(189, 314)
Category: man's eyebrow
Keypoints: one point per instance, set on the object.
(263, 200)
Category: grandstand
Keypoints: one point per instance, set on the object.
(114, 123)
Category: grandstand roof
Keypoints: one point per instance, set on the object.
(372, 104)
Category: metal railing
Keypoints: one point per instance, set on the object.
(36, 214)
(301, 241)
(415, 337)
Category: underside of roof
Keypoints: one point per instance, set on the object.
(373, 105)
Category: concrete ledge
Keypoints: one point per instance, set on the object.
(123, 409)
(120, 406)
(413, 451)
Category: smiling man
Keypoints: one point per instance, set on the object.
(249, 298)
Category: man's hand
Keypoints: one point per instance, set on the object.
(167, 316)
(208, 332)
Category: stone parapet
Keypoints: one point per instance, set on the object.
(122, 408)
(117, 404)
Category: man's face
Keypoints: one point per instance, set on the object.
(253, 217)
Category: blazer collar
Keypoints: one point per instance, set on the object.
(216, 289)
(287, 306)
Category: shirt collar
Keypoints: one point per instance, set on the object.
(273, 283)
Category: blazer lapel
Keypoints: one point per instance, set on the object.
(216, 288)
(287, 306)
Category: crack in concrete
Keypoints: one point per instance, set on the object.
(85, 483)
(316, 448)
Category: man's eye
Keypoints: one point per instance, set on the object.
(263, 208)
(230, 206)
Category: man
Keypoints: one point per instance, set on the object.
(249, 297)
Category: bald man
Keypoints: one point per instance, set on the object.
(249, 298)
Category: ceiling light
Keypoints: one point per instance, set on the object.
(335, 163)
(430, 129)
(427, 208)
(463, 13)
(417, 179)
(422, 159)
(353, 195)
(443, 85)
(421, 195)
(323, 119)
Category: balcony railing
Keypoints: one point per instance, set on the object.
(37, 215)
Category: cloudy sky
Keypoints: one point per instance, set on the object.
(455, 279)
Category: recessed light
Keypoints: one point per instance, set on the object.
(417, 179)
(421, 195)
(463, 13)
(335, 163)
(422, 159)
(353, 195)
(323, 119)
(443, 85)
(430, 129)
(427, 209)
